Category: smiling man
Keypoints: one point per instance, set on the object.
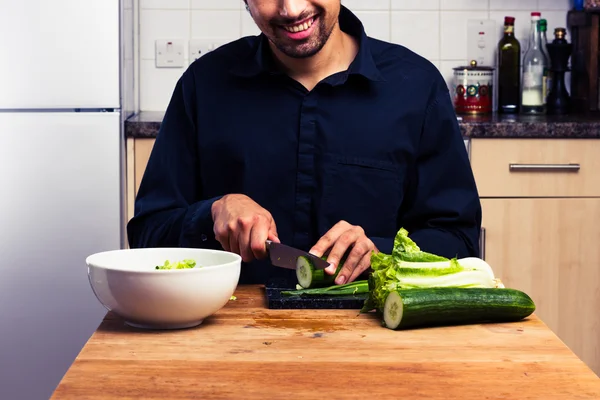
(312, 134)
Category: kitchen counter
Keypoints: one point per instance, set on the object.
(247, 351)
(147, 123)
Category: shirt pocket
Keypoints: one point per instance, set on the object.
(362, 191)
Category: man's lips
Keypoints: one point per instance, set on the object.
(300, 30)
(300, 25)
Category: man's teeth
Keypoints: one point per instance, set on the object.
(300, 27)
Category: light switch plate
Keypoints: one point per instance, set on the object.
(170, 53)
(482, 40)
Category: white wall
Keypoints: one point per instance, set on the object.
(436, 29)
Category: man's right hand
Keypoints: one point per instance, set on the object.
(242, 226)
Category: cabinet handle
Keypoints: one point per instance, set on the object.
(482, 244)
(545, 167)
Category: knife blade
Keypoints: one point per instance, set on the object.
(284, 256)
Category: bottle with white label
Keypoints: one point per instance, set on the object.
(535, 64)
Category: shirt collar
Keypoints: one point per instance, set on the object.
(260, 59)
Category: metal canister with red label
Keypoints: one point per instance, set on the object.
(473, 89)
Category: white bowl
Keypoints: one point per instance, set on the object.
(127, 283)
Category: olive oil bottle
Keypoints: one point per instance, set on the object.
(509, 70)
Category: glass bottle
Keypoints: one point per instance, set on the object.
(509, 69)
(534, 64)
(543, 27)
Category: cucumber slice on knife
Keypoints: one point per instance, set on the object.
(412, 308)
(309, 277)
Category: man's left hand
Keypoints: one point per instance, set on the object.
(342, 237)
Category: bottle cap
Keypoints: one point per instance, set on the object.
(509, 20)
(543, 25)
(560, 33)
(536, 14)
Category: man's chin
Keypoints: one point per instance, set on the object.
(299, 51)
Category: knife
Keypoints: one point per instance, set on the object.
(285, 256)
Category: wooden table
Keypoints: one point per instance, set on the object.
(247, 351)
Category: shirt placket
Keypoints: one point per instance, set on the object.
(305, 176)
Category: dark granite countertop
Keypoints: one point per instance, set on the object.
(147, 123)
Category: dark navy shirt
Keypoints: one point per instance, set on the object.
(377, 145)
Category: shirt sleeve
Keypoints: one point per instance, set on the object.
(169, 208)
(441, 210)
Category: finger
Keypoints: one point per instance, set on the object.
(328, 239)
(363, 265)
(258, 238)
(244, 227)
(273, 235)
(233, 243)
(359, 248)
(360, 245)
(221, 234)
(341, 246)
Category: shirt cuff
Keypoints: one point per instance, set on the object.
(197, 230)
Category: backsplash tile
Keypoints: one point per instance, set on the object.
(453, 33)
(367, 4)
(216, 24)
(418, 31)
(161, 24)
(530, 5)
(415, 5)
(216, 4)
(166, 4)
(376, 23)
(467, 5)
(435, 29)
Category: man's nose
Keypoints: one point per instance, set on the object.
(292, 8)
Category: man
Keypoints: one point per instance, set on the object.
(311, 134)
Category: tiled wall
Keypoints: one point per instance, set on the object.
(436, 29)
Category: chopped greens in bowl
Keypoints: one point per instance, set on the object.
(184, 264)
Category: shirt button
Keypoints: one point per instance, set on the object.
(203, 237)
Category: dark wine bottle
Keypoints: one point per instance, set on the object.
(509, 70)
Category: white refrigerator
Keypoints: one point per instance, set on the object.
(66, 87)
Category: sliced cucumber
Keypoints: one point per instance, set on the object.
(309, 277)
(412, 308)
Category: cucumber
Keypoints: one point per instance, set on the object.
(413, 308)
(309, 277)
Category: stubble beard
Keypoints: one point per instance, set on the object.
(307, 48)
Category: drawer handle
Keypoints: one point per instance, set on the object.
(545, 167)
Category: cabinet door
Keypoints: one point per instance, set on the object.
(143, 148)
(550, 249)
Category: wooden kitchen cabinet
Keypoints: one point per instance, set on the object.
(548, 248)
(541, 229)
(138, 153)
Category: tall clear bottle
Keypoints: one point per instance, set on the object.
(534, 64)
(543, 27)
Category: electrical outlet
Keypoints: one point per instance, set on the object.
(170, 54)
(199, 47)
(482, 40)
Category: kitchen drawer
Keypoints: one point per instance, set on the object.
(536, 167)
